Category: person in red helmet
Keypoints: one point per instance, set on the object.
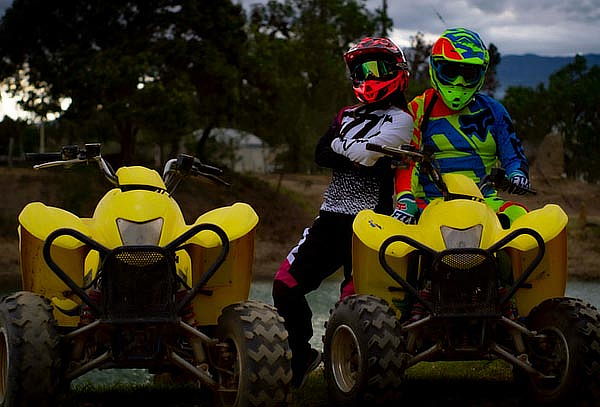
(360, 180)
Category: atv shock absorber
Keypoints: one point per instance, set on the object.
(187, 313)
(87, 316)
(419, 311)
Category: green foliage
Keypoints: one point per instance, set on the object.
(100, 53)
(418, 62)
(296, 79)
(570, 106)
(148, 73)
(574, 103)
(529, 111)
(491, 77)
(384, 22)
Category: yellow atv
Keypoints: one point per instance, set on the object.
(134, 286)
(460, 286)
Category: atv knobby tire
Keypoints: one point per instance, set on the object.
(571, 353)
(363, 352)
(260, 358)
(29, 351)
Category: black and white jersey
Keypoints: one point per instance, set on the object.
(357, 182)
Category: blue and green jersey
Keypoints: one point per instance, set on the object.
(470, 141)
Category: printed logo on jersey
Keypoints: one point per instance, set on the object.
(477, 124)
(358, 127)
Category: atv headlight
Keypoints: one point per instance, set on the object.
(462, 238)
(140, 234)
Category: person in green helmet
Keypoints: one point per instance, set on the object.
(469, 132)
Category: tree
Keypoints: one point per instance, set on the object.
(570, 104)
(111, 56)
(384, 22)
(418, 63)
(491, 77)
(575, 108)
(295, 74)
(529, 112)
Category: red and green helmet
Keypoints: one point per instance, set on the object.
(457, 66)
(377, 68)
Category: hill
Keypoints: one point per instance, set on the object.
(530, 70)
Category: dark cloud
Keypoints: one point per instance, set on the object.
(4, 4)
(544, 27)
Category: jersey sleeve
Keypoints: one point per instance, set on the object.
(395, 130)
(510, 150)
(324, 155)
(403, 178)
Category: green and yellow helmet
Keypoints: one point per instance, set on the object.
(457, 66)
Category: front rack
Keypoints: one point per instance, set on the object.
(482, 267)
(160, 261)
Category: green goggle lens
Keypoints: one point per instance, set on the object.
(377, 69)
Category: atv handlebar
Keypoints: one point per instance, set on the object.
(496, 179)
(43, 157)
(178, 168)
(71, 155)
(403, 152)
(174, 172)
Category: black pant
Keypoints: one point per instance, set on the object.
(324, 249)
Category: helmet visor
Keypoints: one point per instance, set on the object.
(379, 70)
(448, 72)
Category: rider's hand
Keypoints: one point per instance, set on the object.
(519, 183)
(406, 209)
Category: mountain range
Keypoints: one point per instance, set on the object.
(530, 69)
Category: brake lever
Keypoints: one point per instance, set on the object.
(211, 177)
(58, 163)
(205, 168)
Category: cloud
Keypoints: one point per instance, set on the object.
(4, 4)
(543, 27)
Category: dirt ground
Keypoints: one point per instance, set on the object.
(285, 204)
(578, 199)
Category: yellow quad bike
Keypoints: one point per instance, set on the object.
(460, 286)
(134, 286)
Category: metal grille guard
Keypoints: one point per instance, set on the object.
(494, 248)
(171, 248)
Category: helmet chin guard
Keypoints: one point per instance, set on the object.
(457, 66)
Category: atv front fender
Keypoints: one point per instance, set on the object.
(36, 222)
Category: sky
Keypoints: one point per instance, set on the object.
(516, 27)
(542, 27)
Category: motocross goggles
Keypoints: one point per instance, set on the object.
(379, 70)
(448, 72)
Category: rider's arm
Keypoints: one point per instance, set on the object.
(404, 176)
(509, 147)
(395, 130)
(324, 155)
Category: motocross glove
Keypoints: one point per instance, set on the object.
(406, 209)
(519, 183)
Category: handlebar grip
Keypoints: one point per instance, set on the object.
(375, 147)
(43, 156)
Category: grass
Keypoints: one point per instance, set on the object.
(481, 383)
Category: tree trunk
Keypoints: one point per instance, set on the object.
(202, 142)
(127, 132)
